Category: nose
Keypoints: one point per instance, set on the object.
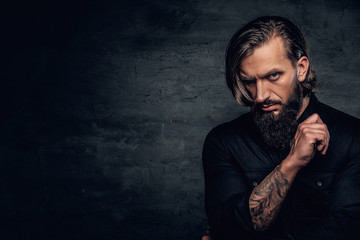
(262, 91)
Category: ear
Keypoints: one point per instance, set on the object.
(302, 68)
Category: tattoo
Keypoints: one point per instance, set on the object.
(266, 199)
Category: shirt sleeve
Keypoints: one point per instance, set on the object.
(343, 221)
(226, 192)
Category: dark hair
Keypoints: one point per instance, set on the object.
(255, 34)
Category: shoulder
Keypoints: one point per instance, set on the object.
(230, 133)
(344, 132)
(337, 119)
(224, 140)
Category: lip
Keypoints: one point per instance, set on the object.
(268, 107)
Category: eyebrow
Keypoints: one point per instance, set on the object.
(243, 77)
(246, 79)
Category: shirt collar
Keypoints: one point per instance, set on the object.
(310, 109)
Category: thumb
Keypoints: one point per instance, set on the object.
(313, 119)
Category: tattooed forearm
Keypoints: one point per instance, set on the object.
(266, 199)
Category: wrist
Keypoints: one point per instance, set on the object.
(288, 168)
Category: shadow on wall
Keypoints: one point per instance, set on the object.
(106, 106)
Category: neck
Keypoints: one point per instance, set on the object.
(305, 103)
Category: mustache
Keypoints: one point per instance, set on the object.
(267, 102)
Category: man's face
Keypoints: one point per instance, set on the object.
(273, 84)
(269, 76)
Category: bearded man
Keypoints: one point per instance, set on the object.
(274, 173)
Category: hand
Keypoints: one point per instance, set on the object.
(311, 135)
(206, 235)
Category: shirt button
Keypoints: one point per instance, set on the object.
(255, 184)
(319, 184)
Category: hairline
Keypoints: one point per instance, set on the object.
(273, 36)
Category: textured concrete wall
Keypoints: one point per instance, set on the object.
(106, 106)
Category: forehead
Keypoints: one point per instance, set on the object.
(271, 55)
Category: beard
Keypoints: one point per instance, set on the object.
(278, 131)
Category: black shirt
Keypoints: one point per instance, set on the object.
(324, 200)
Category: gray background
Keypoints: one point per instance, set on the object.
(106, 106)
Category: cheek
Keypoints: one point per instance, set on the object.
(286, 87)
(251, 90)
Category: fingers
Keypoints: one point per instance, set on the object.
(319, 119)
(319, 138)
(311, 135)
(312, 119)
(323, 152)
(206, 236)
(318, 131)
(313, 125)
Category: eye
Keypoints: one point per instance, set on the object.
(274, 76)
(249, 82)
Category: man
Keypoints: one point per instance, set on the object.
(274, 173)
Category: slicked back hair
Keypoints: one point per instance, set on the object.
(255, 34)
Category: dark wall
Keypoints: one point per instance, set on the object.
(106, 105)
